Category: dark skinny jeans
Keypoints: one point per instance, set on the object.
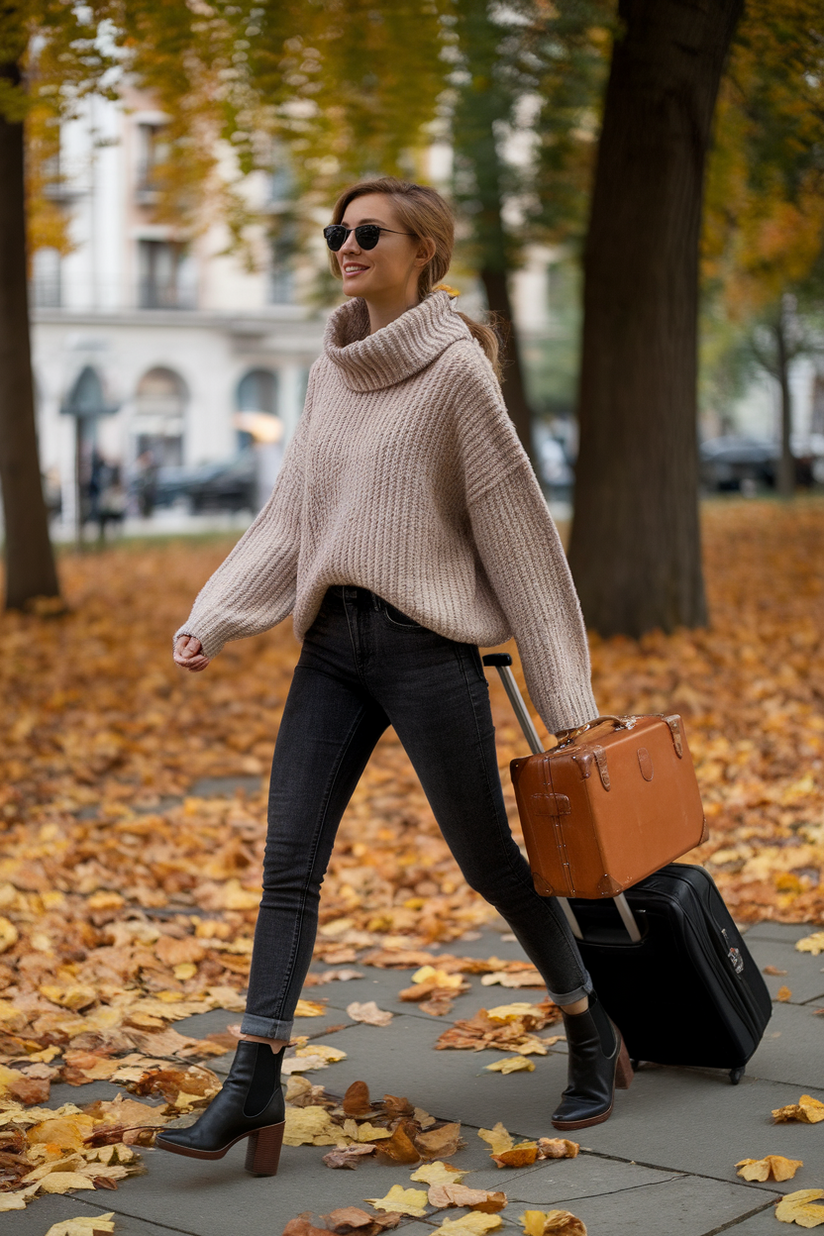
(365, 666)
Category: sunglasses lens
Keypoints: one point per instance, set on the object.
(335, 236)
(367, 236)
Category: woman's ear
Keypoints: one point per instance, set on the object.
(426, 251)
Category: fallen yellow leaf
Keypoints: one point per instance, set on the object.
(404, 1201)
(86, 1225)
(556, 1222)
(798, 1208)
(62, 1182)
(309, 1008)
(364, 1132)
(323, 1050)
(807, 1110)
(511, 1064)
(811, 944)
(438, 1173)
(774, 1165)
(8, 933)
(437, 978)
(312, 1126)
(473, 1224)
(510, 1012)
(498, 1138)
(784, 994)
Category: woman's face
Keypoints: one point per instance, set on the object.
(389, 270)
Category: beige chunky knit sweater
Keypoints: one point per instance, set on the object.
(406, 476)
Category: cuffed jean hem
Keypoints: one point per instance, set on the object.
(266, 1027)
(566, 997)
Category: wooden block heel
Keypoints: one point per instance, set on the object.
(263, 1150)
(623, 1069)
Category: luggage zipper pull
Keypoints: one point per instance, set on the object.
(733, 954)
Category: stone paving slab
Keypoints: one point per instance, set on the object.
(762, 1224)
(664, 1162)
(804, 975)
(793, 1041)
(39, 1215)
(686, 1206)
(782, 933)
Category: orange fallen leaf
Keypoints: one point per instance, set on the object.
(557, 1148)
(784, 994)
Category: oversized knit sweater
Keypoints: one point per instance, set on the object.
(405, 476)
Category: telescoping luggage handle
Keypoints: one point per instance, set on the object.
(502, 662)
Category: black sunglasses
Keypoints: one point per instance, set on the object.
(366, 236)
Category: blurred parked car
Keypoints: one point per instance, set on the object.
(736, 462)
(231, 486)
(228, 485)
(732, 462)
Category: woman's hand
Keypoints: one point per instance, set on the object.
(189, 654)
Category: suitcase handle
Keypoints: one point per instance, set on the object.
(502, 661)
(567, 736)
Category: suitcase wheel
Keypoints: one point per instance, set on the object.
(635, 1064)
(736, 1075)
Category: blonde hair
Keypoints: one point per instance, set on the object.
(425, 213)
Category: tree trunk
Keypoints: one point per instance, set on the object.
(512, 381)
(785, 481)
(30, 569)
(635, 544)
(487, 98)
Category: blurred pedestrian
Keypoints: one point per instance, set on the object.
(145, 483)
(406, 527)
(111, 507)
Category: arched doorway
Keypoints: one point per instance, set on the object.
(257, 396)
(157, 426)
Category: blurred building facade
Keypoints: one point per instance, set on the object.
(158, 337)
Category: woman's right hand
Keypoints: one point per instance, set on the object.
(189, 653)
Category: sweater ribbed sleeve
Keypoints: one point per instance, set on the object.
(255, 587)
(522, 556)
(524, 560)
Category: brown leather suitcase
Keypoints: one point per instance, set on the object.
(616, 800)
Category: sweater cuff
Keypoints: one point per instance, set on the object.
(210, 645)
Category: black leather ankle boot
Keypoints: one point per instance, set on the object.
(250, 1104)
(598, 1062)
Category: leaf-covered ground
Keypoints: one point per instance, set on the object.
(104, 738)
(128, 892)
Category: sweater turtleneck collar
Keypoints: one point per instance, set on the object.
(408, 344)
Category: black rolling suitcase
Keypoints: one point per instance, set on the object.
(666, 959)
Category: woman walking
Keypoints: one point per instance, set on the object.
(406, 527)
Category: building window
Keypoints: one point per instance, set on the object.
(817, 424)
(46, 291)
(257, 397)
(151, 152)
(282, 267)
(159, 411)
(161, 276)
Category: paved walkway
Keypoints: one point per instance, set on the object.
(663, 1165)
